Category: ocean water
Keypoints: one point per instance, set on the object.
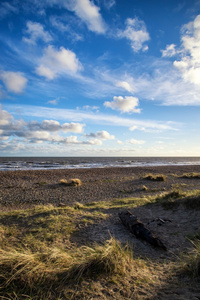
(39, 163)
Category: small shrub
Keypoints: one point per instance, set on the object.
(158, 177)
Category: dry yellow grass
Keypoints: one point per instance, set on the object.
(72, 182)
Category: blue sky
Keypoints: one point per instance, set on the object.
(100, 78)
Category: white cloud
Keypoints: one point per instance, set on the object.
(119, 142)
(169, 51)
(95, 142)
(14, 81)
(55, 62)
(88, 12)
(54, 101)
(90, 117)
(103, 135)
(60, 24)
(45, 72)
(189, 65)
(73, 127)
(136, 142)
(5, 117)
(36, 32)
(109, 3)
(127, 104)
(136, 33)
(125, 85)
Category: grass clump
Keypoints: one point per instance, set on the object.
(155, 177)
(64, 181)
(73, 182)
(108, 259)
(190, 262)
(169, 199)
(191, 175)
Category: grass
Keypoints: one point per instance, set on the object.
(73, 182)
(190, 262)
(38, 259)
(192, 175)
(171, 199)
(155, 177)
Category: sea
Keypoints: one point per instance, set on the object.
(41, 163)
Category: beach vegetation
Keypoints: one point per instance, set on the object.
(190, 262)
(72, 182)
(39, 261)
(171, 199)
(191, 175)
(145, 188)
(63, 181)
(155, 177)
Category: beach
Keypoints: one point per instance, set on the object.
(59, 223)
(28, 188)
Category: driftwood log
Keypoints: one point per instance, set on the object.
(136, 227)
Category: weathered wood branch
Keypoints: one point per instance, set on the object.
(136, 227)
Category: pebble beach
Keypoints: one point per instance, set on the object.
(22, 189)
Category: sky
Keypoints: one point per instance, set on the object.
(99, 78)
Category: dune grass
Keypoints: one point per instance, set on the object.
(191, 175)
(72, 182)
(190, 262)
(155, 177)
(38, 259)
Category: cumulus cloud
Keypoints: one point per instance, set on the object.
(127, 104)
(36, 31)
(125, 85)
(36, 132)
(55, 62)
(14, 81)
(169, 51)
(136, 142)
(88, 12)
(136, 33)
(52, 125)
(5, 117)
(103, 135)
(189, 64)
(73, 127)
(94, 142)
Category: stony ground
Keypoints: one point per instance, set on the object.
(27, 188)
